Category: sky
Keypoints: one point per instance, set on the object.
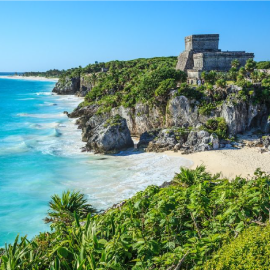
(37, 36)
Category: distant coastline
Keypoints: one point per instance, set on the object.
(31, 78)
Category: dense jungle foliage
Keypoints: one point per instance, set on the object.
(151, 80)
(128, 82)
(200, 221)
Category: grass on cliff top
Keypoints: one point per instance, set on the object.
(186, 225)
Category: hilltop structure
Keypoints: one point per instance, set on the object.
(202, 54)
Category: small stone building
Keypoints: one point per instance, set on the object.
(202, 54)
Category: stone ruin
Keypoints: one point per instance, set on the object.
(202, 54)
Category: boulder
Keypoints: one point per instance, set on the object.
(111, 136)
(146, 138)
(266, 141)
(167, 139)
(214, 141)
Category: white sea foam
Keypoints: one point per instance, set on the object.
(45, 115)
(14, 148)
(47, 104)
(44, 125)
(43, 93)
(120, 177)
(25, 98)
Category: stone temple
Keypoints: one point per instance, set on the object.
(202, 54)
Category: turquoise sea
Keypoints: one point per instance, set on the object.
(40, 155)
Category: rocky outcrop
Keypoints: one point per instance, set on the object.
(239, 115)
(182, 112)
(85, 85)
(78, 86)
(68, 86)
(183, 140)
(243, 116)
(141, 118)
(155, 124)
(110, 136)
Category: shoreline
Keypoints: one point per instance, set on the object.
(229, 162)
(30, 78)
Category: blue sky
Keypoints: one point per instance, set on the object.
(37, 36)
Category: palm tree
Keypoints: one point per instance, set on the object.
(189, 177)
(235, 64)
(62, 208)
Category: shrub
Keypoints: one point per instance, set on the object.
(165, 86)
(157, 228)
(218, 126)
(206, 108)
(250, 65)
(242, 72)
(235, 63)
(249, 251)
(189, 92)
(221, 83)
(209, 77)
(263, 65)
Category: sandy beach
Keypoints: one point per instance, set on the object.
(30, 78)
(230, 162)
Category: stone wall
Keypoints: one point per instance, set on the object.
(185, 61)
(202, 42)
(220, 61)
(202, 53)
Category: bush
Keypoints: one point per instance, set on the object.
(249, 251)
(250, 65)
(209, 77)
(235, 63)
(189, 92)
(207, 108)
(155, 229)
(221, 83)
(165, 86)
(218, 126)
(263, 65)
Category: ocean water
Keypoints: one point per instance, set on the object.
(40, 155)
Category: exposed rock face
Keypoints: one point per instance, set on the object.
(185, 141)
(147, 137)
(109, 137)
(243, 116)
(141, 118)
(157, 125)
(240, 116)
(85, 86)
(67, 87)
(75, 86)
(214, 141)
(181, 112)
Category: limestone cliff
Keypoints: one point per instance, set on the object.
(68, 86)
(180, 112)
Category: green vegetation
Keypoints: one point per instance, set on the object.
(128, 82)
(249, 251)
(62, 208)
(52, 73)
(218, 126)
(195, 223)
(263, 65)
(151, 80)
(209, 77)
(114, 121)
